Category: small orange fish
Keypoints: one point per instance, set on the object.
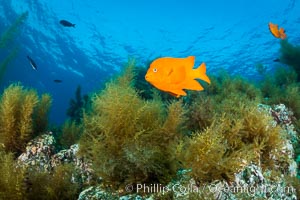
(173, 75)
(278, 33)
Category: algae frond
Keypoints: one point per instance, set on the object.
(21, 115)
(131, 140)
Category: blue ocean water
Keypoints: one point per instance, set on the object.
(231, 35)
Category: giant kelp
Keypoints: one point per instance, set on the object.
(131, 140)
(77, 105)
(4, 63)
(12, 30)
(6, 37)
(290, 55)
(18, 106)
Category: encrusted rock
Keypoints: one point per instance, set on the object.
(96, 193)
(283, 117)
(69, 156)
(40, 155)
(281, 114)
(250, 183)
(38, 152)
(253, 182)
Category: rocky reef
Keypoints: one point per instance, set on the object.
(249, 181)
(219, 144)
(41, 155)
(252, 182)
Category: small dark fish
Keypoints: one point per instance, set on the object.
(276, 60)
(66, 23)
(32, 63)
(57, 81)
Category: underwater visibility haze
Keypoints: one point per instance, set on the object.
(99, 98)
(231, 35)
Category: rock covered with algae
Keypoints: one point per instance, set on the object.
(39, 152)
(41, 155)
(252, 182)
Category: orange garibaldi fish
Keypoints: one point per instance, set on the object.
(173, 75)
(279, 33)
